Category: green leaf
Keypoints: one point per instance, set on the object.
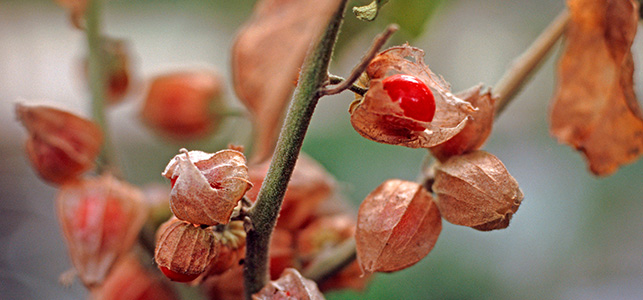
(368, 12)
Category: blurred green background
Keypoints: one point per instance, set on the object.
(574, 237)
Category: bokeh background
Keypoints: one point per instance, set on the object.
(574, 237)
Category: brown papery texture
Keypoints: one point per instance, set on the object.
(594, 108)
(477, 129)
(130, 281)
(476, 190)
(207, 186)
(184, 248)
(397, 225)
(267, 55)
(309, 186)
(100, 219)
(377, 118)
(290, 286)
(61, 145)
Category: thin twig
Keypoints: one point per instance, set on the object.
(528, 62)
(379, 41)
(334, 79)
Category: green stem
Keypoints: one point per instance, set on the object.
(263, 215)
(97, 78)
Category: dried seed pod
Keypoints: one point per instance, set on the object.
(101, 219)
(476, 190)
(290, 285)
(183, 251)
(183, 105)
(477, 129)
(382, 117)
(397, 225)
(282, 252)
(130, 281)
(232, 240)
(227, 286)
(309, 185)
(61, 145)
(206, 187)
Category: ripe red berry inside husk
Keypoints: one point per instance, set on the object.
(414, 97)
(178, 277)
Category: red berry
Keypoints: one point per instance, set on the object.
(414, 97)
(178, 277)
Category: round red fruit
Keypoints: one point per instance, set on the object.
(414, 97)
(178, 277)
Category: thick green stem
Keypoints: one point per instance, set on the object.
(263, 215)
(97, 78)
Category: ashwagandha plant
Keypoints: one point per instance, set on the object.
(265, 223)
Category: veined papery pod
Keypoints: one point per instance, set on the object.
(101, 218)
(290, 285)
(310, 184)
(206, 187)
(61, 145)
(183, 250)
(380, 118)
(130, 281)
(232, 240)
(476, 190)
(397, 225)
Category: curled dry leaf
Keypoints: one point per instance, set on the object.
(183, 105)
(309, 185)
(206, 187)
(130, 281)
(594, 108)
(477, 129)
(397, 225)
(266, 58)
(183, 251)
(100, 218)
(378, 118)
(61, 146)
(290, 286)
(476, 190)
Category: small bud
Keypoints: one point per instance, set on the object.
(184, 105)
(207, 187)
(477, 129)
(76, 9)
(183, 251)
(118, 78)
(130, 281)
(290, 285)
(397, 225)
(100, 218)
(403, 95)
(309, 185)
(476, 190)
(61, 146)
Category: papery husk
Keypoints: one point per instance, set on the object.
(184, 248)
(130, 281)
(61, 145)
(208, 186)
(378, 118)
(290, 285)
(100, 218)
(397, 225)
(477, 129)
(476, 190)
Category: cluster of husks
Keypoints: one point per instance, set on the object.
(206, 189)
(399, 222)
(310, 223)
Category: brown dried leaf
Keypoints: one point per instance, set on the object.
(377, 118)
(594, 108)
(267, 55)
(477, 128)
(290, 286)
(101, 219)
(397, 225)
(476, 190)
(207, 187)
(61, 145)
